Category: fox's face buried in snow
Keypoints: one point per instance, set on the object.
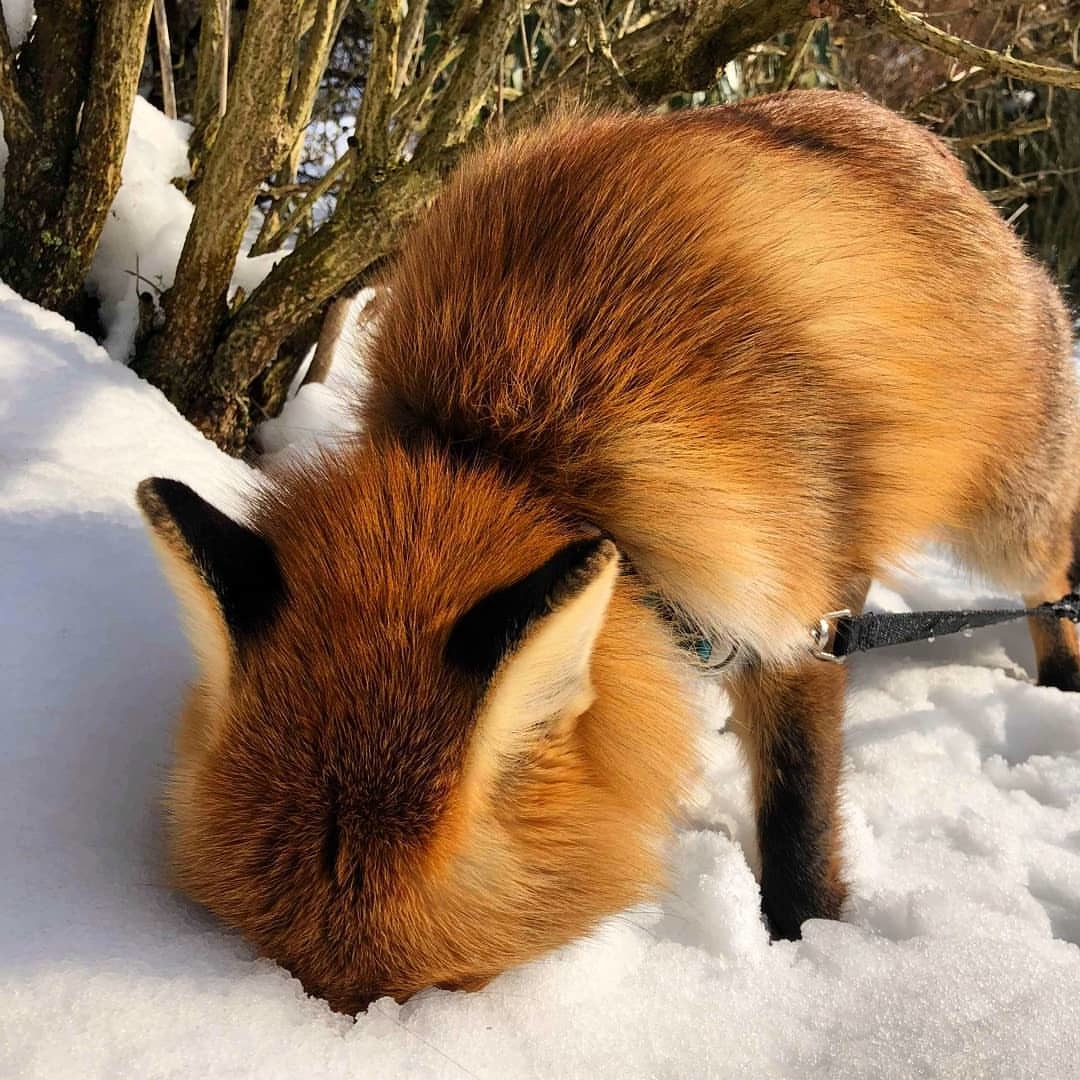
(434, 733)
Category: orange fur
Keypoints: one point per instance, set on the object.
(767, 349)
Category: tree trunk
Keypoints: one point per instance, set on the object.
(357, 238)
(79, 74)
(251, 140)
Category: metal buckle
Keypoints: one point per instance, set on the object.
(824, 634)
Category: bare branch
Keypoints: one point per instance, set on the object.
(362, 233)
(379, 86)
(1019, 190)
(680, 51)
(914, 28)
(318, 43)
(1016, 131)
(793, 62)
(211, 87)
(600, 42)
(964, 80)
(414, 96)
(119, 43)
(168, 89)
(223, 58)
(412, 38)
(326, 182)
(460, 103)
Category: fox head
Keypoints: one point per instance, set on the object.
(434, 732)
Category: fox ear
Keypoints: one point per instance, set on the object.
(532, 643)
(224, 574)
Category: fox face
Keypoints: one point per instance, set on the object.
(434, 732)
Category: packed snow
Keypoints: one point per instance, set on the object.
(958, 957)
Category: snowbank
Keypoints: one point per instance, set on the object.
(958, 959)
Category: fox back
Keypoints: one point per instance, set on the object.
(438, 728)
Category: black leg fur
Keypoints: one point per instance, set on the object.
(790, 726)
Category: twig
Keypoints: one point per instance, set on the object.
(905, 24)
(449, 47)
(526, 47)
(332, 328)
(598, 41)
(1018, 190)
(168, 89)
(961, 80)
(789, 72)
(1016, 131)
(313, 60)
(223, 57)
(412, 37)
(314, 194)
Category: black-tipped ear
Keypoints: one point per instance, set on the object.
(495, 626)
(235, 563)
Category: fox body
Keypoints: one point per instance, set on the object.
(738, 359)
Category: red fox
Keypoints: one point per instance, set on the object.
(736, 359)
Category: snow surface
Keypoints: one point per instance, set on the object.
(959, 957)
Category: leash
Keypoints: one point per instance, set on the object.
(838, 634)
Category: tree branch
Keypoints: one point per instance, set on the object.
(460, 103)
(363, 232)
(412, 99)
(318, 43)
(168, 88)
(412, 37)
(680, 51)
(914, 28)
(379, 87)
(212, 79)
(1016, 131)
(600, 42)
(251, 139)
(106, 116)
(793, 61)
(326, 182)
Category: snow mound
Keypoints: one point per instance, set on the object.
(959, 957)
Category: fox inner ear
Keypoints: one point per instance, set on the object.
(532, 643)
(225, 575)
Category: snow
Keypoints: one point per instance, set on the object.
(19, 16)
(958, 957)
(320, 413)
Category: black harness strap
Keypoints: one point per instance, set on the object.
(840, 633)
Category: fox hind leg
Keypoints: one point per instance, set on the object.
(789, 723)
(1057, 648)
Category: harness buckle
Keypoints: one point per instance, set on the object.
(823, 636)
